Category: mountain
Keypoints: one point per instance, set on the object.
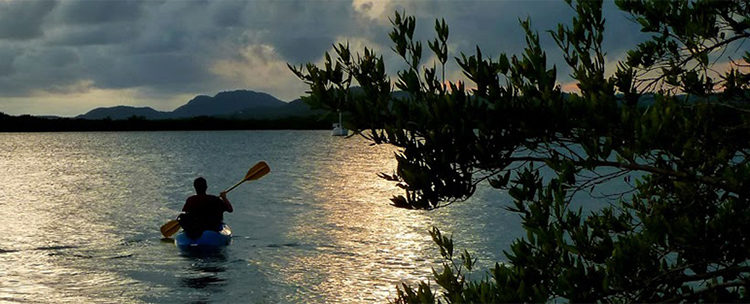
(239, 104)
(124, 112)
(226, 103)
(296, 107)
(223, 104)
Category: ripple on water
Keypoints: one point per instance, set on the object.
(81, 212)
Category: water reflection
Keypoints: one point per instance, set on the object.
(206, 272)
(80, 217)
(55, 229)
(363, 242)
(205, 275)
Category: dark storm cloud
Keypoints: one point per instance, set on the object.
(102, 11)
(21, 20)
(494, 27)
(116, 44)
(149, 70)
(302, 31)
(230, 14)
(170, 47)
(301, 49)
(7, 56)
(93, 35)
(43, 69)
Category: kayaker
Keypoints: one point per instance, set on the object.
(203, 211)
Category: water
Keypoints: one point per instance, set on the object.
(80, 216)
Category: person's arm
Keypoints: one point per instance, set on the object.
(227, 203)
(188, 206)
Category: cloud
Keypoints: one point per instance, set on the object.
(7, 56)
(231, 14)
(80, 36)
(167, 71)
(82, 97)
(302, 30)
(158, 49)
(43, 69)
(88, 12)
(258, 67)
(22, 20)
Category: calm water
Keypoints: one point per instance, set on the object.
(80, 216)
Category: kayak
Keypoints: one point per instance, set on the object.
(209, 240)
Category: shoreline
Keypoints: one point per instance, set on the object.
(32, 124)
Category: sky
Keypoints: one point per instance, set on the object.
(67, 57)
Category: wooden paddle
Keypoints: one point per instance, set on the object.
(170, 228)
(259, 170)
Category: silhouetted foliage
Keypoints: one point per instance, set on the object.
(682, 230)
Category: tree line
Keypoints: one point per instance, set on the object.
(27, 123)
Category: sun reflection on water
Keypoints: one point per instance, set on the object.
(369, 245)
(54, 205)
(79, 218)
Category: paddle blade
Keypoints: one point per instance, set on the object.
(170, 228)
(259, 170)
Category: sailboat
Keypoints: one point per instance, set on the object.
(338, 128)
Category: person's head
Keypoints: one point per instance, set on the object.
(200, 185)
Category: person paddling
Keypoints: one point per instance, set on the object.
(194, 215)
(203, 211)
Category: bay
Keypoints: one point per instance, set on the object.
(80, 216)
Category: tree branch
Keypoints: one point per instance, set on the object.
(645, 168)
(710, 288)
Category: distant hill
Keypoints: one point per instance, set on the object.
(226, 103)
(243, 103)
(296, 107)
(239, 104)
(124, 112)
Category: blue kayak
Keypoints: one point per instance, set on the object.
(209, 240)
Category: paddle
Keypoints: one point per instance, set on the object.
(170, 228)
(259, 170)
